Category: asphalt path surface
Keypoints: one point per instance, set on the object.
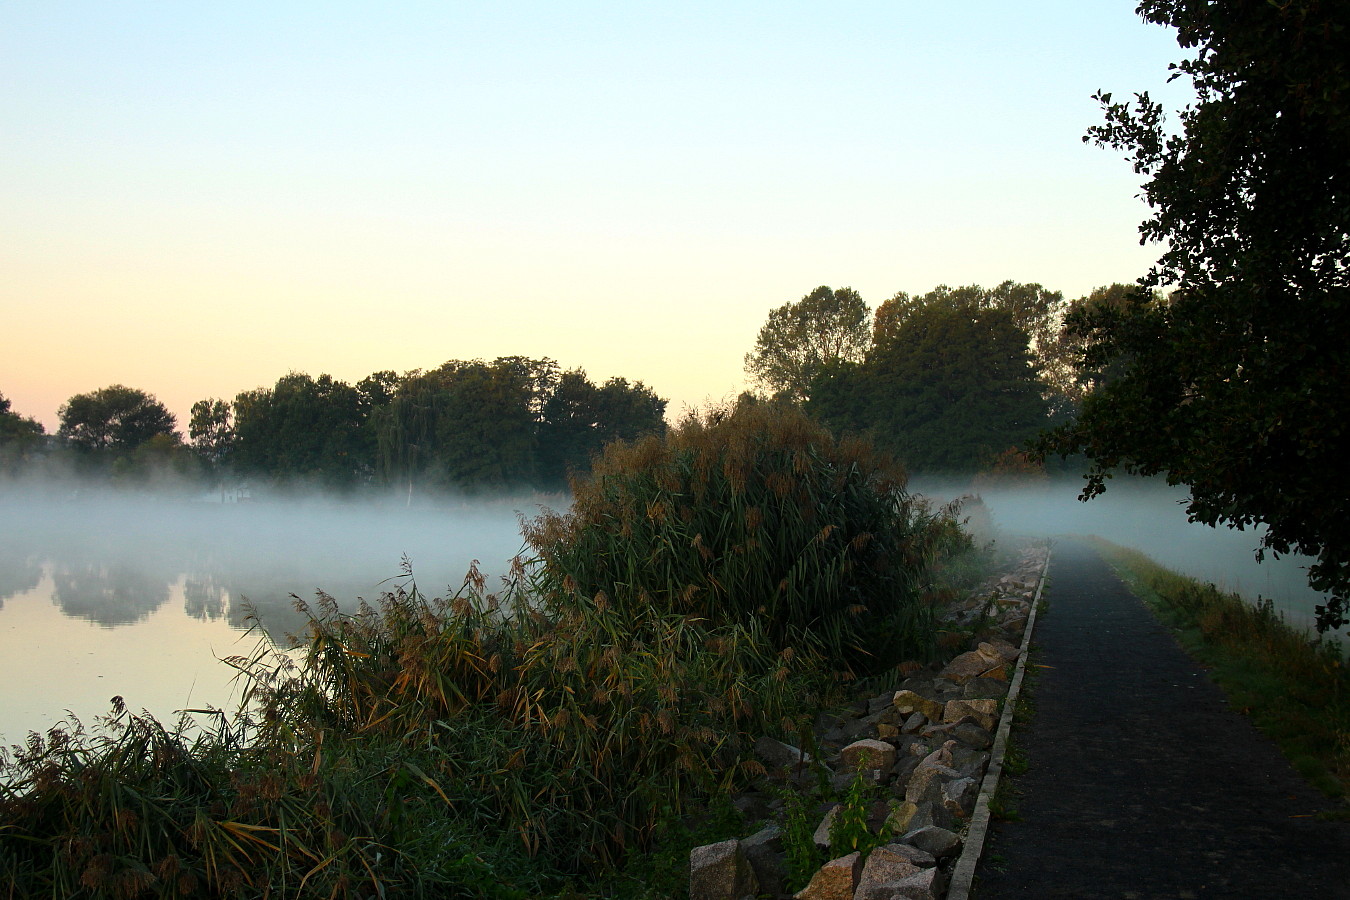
(1142, 782)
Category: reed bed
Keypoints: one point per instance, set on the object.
(704, 590)
(757, 513)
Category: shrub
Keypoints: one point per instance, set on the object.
(577, 733)
(754, 514)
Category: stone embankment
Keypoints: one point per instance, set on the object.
(922, 752)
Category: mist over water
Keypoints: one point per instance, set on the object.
(104, 593)
(1150, 516)
(139, 595)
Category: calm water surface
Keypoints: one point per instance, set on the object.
(104, 596)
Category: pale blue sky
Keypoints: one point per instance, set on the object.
(195, 199)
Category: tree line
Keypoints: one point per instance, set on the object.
(954, 381)
(467, 425)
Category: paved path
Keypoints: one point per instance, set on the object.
(1142, 782)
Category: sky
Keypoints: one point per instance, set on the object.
(196, 199)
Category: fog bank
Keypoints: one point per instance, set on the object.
(105, 592)
(260, 550)
(139, 595)
(1150, 516)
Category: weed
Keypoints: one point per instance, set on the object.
(849, 832)
(1015, 761)
(803, 856)
(1003, 804)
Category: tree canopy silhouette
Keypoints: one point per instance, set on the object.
(1235, 383)
(115, 419)
(948, 385)
(801, 338)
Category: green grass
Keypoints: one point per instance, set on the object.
(1294, 686)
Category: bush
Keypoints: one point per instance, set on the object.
(577, 733)
(755, 514)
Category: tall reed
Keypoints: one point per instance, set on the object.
(755, 513)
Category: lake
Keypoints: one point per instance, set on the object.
(140, 597)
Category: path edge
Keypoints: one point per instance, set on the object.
(963, 874)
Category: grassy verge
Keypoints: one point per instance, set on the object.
(1294, 686)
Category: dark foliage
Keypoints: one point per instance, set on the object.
(20, 436)
(947, 386)
(302, 428)
(113, 420)
(514, 422)
(756, 516)
(579, 419)
(800, 338)
(1235, 385)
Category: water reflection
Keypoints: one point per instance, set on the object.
(20, 570)
(142, 598)
(108, 593)
(205, 598)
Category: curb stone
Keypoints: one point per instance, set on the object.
(963, 873)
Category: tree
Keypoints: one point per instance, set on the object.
(629, 411)
(513, 422)
(162, 461)
(580, 419)
(946, 390)
(19, 435)
(113, 420)
(800, 339)
(405, 430)
(377, 389)
(1235, 384)
(485, 433)
(1068, 375)
(303, 427)
(466, 424)
(539, 375)
(1034, 309)
(891, 314)
(210, 430)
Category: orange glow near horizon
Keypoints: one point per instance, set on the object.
(197, 201)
